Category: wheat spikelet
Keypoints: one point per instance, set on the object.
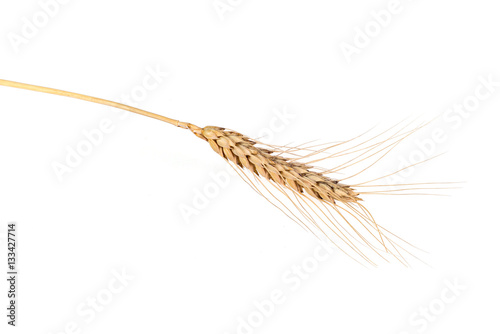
(243, 152)
(319, 200)
(326, 206)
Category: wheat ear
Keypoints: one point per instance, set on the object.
(321, 204)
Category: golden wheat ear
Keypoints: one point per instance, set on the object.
(325, 205)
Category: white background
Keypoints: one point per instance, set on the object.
(119, 209)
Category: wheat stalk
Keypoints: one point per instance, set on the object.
(323, 205)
